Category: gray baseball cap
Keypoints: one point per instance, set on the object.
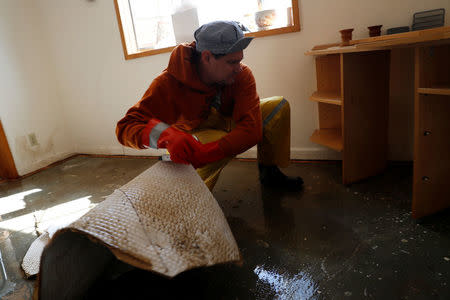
(221, 37)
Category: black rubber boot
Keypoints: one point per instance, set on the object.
(271, 176)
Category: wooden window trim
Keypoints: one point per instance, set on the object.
(288, 29)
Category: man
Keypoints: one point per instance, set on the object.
(204, 109)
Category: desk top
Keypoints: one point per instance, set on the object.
(384, 42)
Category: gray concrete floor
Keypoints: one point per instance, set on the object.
(328, 241)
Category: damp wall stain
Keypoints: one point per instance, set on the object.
(29, 158)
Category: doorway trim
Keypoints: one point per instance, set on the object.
(7, 166)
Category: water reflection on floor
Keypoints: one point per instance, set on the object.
(283, 284)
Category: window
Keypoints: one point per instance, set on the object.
(150, 27)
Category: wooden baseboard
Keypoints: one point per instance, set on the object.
(293, 161)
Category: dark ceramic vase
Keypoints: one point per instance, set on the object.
(346, 35)
(375, 30)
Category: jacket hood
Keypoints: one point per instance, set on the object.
(182, 67)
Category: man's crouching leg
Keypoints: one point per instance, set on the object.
(274, 148)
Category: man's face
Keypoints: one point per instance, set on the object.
(222, 70)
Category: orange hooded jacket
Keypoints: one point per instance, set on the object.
(178, 97)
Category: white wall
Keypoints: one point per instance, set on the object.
(29, 101)
(96, 85)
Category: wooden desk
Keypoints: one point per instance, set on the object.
(353, 100)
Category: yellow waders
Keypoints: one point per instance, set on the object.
(274, 148)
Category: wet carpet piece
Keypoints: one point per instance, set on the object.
(165, 221)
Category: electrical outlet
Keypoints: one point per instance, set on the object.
(32, 139)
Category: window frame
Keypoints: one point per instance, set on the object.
(142, 53)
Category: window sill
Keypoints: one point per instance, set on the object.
(269, 32)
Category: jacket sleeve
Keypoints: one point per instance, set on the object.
(246, 115)
(152, 105)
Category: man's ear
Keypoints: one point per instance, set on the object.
(206, 56)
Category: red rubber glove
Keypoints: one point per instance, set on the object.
(206, 153)
(181, 145)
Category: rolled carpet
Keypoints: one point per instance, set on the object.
(165, 220)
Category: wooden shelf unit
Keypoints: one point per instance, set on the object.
(431, 130)
(362, 115)
(329, 98)
(352, 95)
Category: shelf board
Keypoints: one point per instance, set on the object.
(384, 42)
(327, 97)
(330, 137)
(435, 91)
